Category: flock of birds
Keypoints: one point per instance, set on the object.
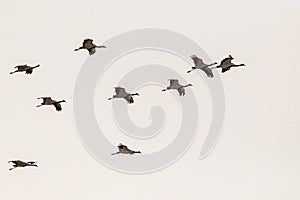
(226, 64)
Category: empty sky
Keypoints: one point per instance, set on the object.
(258, 154)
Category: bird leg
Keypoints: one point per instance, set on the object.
(115, 153)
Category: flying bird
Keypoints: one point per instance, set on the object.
(49, 101)
(90, 46)
(123, 149)
(24, 68)
(19, 163)
(226, 64)
(199, 64)
(174, 85)
(121, 93)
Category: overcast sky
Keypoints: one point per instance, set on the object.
(257, 156)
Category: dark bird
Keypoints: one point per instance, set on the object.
(174, 85)
(24, 68)
(121, 93)
(124, 150)
(90, 46)
(199, 64)
(226, 64)
(19, 163)
(49, 101)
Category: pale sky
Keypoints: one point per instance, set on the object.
(257, 156)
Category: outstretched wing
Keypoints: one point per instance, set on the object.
(29, 71)
(181, 91)
(225, 69)
(46, 99)
(123, 147)
(120, 91)
(57, 106)
(22, 67)
(129, 99)
(226, 61)
(208, 71)
(88, 44)
(92, 50)
(198, 61)
(174, 82)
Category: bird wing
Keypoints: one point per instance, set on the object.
(22, 67)
(226, 61)
(208, 71)
(14, 161)
(57, 106)
(46, 99)
(123, 147)
(120, 91)
(181, 91)
(174, 82)
(198, 61)
(88, 43)
(92, 50)
(129, 99)
(225, 69)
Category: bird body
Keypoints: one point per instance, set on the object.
(199, 64)
(19, 163)
(90, 46)
(226, 64)
(123, 149)
(121, 93)
(50, 101)
(24, 68)
(174, 85)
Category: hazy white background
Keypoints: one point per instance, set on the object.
(258, 156)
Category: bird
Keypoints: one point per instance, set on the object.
(121, 93)
(226, 64)
(199, 64)
(49, 101)
(123, 149)
(90, 46)
(174, 85)
(24, 68)
(19, 163)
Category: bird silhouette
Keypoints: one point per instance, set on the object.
(174, 85)
(123, 149)
(49, 101)
(121, 93)
(199, 64)
(24, 68)
(226, 64)
(19, 163)
(90, 46)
